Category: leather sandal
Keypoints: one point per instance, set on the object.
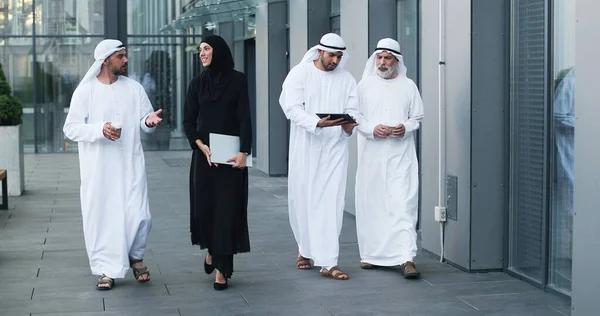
(331, 273)
(367, 266)
(104, 280)
(303, 263)
(138, 272)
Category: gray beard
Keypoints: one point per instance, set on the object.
(388, 73)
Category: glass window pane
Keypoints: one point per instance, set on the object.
(16, 57)
(563, 108)
(529, 113)
(149, 17)
(16, 17)
(164, 66)
(408, 36)
(61, 64)
(69, 17)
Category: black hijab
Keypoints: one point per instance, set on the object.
(215, 79)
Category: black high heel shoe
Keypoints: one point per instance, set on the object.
(208, 268)
(221, 286)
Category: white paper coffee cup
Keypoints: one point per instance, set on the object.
(118, 127)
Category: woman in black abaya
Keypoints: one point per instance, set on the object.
(217, 102)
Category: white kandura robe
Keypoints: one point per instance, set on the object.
(318, 158)
(114, 200)
(387, 180)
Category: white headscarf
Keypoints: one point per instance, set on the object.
(103, 50)
(385, 45)
(330, 42)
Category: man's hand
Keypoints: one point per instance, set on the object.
(153, 119)
(398, 131)
(110, 132)
(382, 131)
(326, 122)
(239, 159)
(348, 127)
(206, 151)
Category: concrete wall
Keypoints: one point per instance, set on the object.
(458, 121)
(586, 232)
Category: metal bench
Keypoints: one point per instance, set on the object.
(4, 205)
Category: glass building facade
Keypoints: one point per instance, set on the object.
(46, 46)
(542, 141)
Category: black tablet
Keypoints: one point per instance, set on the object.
(335, 116)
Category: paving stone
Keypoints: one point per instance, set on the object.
(44, 263)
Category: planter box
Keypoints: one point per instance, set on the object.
(11, 158)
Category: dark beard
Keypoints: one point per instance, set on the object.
(324, 64)
(117, 71)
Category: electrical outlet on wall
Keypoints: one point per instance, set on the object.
(440, 214)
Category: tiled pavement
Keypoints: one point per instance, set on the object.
(44, 271)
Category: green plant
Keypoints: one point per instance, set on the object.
(11, 110)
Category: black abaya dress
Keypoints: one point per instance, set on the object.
(219, 195)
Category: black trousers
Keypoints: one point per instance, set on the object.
(223, 263)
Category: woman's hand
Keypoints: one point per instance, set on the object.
(239, 159)
(206, 150)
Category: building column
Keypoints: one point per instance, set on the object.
(354, 29)
(309, 21)
(238, 52)
(271, 69)
(586, 233)
(225, 30)
(115, 30)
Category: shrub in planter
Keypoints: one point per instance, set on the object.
(11, 110)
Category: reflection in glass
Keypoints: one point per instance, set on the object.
(46, 86)
(563, 150)
(150, 16)
(16, 17)
(160, 65)
(528, 139)
(16, 55)
(408, 36)
(69, 17)
(60, 65)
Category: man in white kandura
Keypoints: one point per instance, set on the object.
(387, 179)
(318, 154)
(107, 112)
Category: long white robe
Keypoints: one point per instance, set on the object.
(318, 158)
(114, 201)
(387, 179)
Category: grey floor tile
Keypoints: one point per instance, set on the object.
(117, 303)
(148, 311)
(525, 311)
(15, 292)
(7, 256)
(54, 306)
(128, 288)
(43, 258)
(290, 310)
(512, 300)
